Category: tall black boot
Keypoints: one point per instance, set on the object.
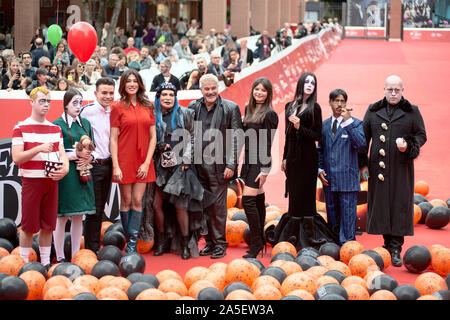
(251, 211)
(133, 227)
(185, 253)
(162, 246)
(261, 205)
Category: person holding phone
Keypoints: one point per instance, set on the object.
(11, 80)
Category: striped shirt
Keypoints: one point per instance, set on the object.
(30, 133)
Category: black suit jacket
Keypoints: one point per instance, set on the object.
(160, 79)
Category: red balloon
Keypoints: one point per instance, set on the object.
(82, 39)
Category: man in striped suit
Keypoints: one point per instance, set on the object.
(342, 136)
(35, 143)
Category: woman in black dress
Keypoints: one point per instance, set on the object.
(260, 123)
(301, 225)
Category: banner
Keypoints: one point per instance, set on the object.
(367, 13)
(426, 34)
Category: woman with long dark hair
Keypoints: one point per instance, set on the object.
(301, 225)
(132, 143)
(260, 123)
(76, 197)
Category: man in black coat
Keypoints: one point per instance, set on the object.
(165, 76)
(216, 154)
(397, 131)
(38, 52)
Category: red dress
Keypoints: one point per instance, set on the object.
(134, 124)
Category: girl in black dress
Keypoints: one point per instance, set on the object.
(260, 123)
(301, 225)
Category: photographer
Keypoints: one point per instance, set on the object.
(12, 78)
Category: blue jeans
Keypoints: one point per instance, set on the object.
(138, 43)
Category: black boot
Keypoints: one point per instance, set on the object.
(396, 259)
(134, 225)
(185, 253)
(253, 218)
(162, 246)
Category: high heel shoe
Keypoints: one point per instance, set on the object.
(163, 245)
(185, 253)
(254, 251)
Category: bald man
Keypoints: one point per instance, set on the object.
(397, 131)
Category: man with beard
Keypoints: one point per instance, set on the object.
(397, 131)
(218, 118)
(165, 76)
(196, 74)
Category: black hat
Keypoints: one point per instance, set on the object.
(165, 86)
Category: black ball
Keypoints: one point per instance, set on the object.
(8, 229)
(13, 288)
(247, 235)
(442, 294)
(330, 249)
(115, 227)
(286, 256)
(447, 280)
(69, 270)
(104, 268)
(332, 296)
(382, 282)
(307, 261)
(419, 198)
(425, 207)
(85, 296)
(376, 257)
(288, 297)
(235, 286)
(135, 277)
(257, 263)
(36, 266)
(114, 238)
(309, 251)
(35, 246)
(406, 292)
(275, 272)
(6, 244)
(111, 253)
(151, 279)
(136, 288)
(210, 294)
(338, 275)
(131, 262)
(330, 288)
(240, 215)
(67, 246)
(438, 217)
(448, 202)
(417, 258)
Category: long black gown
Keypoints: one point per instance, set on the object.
(302, 225)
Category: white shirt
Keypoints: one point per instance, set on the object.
(99, 119)
(71, 153)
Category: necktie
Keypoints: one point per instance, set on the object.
(334, 128)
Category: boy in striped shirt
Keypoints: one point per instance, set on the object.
(35, 141)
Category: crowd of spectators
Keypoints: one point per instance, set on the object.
(154, 46)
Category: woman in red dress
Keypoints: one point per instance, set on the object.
(133, 140)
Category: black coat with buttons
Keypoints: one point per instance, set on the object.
(391, 172)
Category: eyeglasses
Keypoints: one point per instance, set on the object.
(44, 101)
(392, 90)
(47, 66)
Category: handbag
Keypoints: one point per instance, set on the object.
(168, 159)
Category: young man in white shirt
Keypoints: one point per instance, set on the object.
(98, 114)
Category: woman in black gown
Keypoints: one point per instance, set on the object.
(301, 225)
(260, 123)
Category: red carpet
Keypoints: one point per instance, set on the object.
(360, 67)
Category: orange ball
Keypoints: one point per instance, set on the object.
(350, 249)
(267, 292)
(354, 280)
(438, 202)
(240, 295)
(422, 188)
(340, 266)
(104, 281)
(291, 267)
(265, 280)
(167, 274)
(218, 266)
(82, 254)
(194, 274)
(324, 280)
(284, 246)
(240, 270)
(440, 262)
(429, 283)
(88, 281)
(231, 198)
(56, 281)
(111, 293)
(75, 289)
(4, 252)
(50, 271)
(35, 282)
(233, 233)
(173, 285)
(417, 213)
(359, 263)
(86, 262)
(305, 295)
(152, 294)
(357, 292)
(325, 261)
(32, 257)
(385, 255)
(57, 293)
(198, 285)
(299, 280)
(144, 246)
(120, 283)
(383, 295)
(217, 278)
(11, 264)
(105, 225)
(428, 297)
